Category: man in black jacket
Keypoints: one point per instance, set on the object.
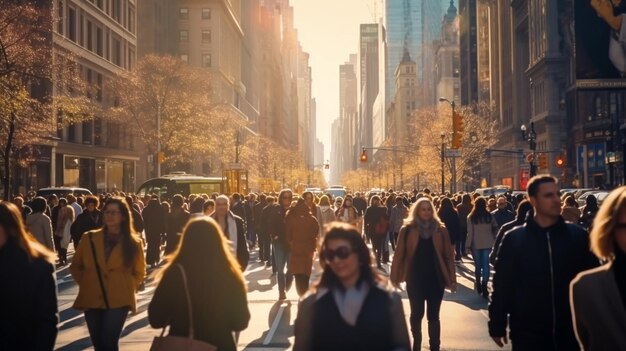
(534, 267)
(502, 214)
(277, 232)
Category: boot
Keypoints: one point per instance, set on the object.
(478, 286)
(485, 292)
(434, 335)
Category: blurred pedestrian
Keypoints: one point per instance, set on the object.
(376, 224)
(588, 212)
(28, 296)
(276, 228)
(351, 308)
(154, 222)
(25, 210)
(39, 225)
(202, 266)
(536, 262)
(325, 213)
(463, 210)
(175, 222)
(109, 267)
(234, 228)
(424, 260)
(570, 211)
(524, 209)
(89, 219)
(347, 213)
(396, 219)
(62, 231)
(598, 296)
(450, 218)
(209, 207)
(302, 230)
(196, 208)
(482, 228)
(502, 214)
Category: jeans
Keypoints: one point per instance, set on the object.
(252, 234)
(378, 241)
(105, 327)
(281, 257)
(481, 262)
(264, 247)
(432, 297)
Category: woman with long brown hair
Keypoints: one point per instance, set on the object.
(215, 285)
(28, 297)
(109, 267)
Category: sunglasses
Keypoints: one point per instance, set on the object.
(341, 252)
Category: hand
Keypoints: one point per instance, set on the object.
(500, 340)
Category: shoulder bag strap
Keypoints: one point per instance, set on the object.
(95, 260)
(188, 297)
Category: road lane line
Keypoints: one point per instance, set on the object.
(275, 323)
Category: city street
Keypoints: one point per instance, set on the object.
(463, 316)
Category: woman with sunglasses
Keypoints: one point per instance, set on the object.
(351, 308)
(424, 259)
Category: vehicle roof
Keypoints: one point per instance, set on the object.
(62, 188)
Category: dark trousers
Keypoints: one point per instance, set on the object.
(432, 297)
(302, 283)
(460, 243)
(153, 251)
(264, 247)
(105, 327)
(172, 243)
(378, 241)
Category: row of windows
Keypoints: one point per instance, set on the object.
(183, 13)
(205, 59)
(122, 11)
(183, 36)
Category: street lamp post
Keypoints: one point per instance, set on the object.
(531, 137)
(454, 131)
(443, 153)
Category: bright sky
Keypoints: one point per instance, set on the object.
(329, 31)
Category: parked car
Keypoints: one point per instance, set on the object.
(62, 191)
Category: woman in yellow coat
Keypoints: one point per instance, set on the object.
(108, 267)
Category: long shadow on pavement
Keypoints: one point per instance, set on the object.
(280, 330)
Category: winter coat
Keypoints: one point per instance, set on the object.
(324, 217)
(375, 215)
(302, 230)
(464, 211)
(120, 282)
(276, 224)
(451, 220)
(174, 224)
(408, 240)
(28, 301)
(598, 309)
(154, 219)
(481, 235)
(85, 222)
(503, 216)
(40, 226)
(258, 217)
(396, 217)
(533, 271)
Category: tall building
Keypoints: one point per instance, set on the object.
(98, 155)
(447, 62)
(348, 146)
(405, 101)
(368, 80)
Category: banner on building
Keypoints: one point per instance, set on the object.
(600, 42)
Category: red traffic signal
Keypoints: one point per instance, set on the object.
(363, 157)
(560, 161)
(326, 166)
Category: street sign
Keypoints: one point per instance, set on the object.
(453, 153)
(235, 165)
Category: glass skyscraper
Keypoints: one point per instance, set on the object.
(410, 25)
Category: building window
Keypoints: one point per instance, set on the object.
(60, 18)
(71, 22)
(613, 105)
(597, 107)
(206, 14)
(117, 52)
(99, 41)
(97, 131)
(206, 60)
(117, 10)
(183, 13)
(89, 35)
(184, 58)
(206, 36)
(183, 36)
(87, 132)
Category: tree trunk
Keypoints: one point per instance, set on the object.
(6, 181)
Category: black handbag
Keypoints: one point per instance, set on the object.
(95, 259)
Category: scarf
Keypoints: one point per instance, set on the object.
(426, 229)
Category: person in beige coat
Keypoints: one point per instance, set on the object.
(39, 225)
(424, 259)
(598, 296)
(570, 211)
(482, 228)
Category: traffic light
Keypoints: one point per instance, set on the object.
(457, 130)
(363, 157)
(543, 161)
(161, 157)
(560, 161)
(326, 166)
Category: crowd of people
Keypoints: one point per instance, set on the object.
(559, 282)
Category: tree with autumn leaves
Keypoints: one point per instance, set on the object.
(416, 161)
(36, 84)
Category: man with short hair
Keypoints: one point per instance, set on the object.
(234, 229)
(89, 219)
(71, 200)
(535, 264)
(502, 214)
(277, 231)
